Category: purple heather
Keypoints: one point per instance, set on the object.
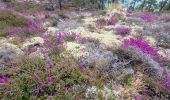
(4, 80)
(147, 17)
(123, 30)
(142, 45)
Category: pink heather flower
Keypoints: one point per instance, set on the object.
(49, 69)
(138, 98)
(123, 30)
(38, 90)
(38, 81)
(81, 66)
(62, 36)
(51, 79)
(112, 21)
(166, 81)
(4, 80)
(142, 45)
(147, 17)
(31, 27)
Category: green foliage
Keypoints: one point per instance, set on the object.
(69, 38)
(79, 2)
(127, 79)
(6, 0)
(76, 77)
(7, 19)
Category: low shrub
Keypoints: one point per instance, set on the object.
(148, 17)
(123, 30)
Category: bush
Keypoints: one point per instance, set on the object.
(147, 17)
(141, 45)
(9, 20)
(123, 30)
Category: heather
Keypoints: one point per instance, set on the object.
(84, 50)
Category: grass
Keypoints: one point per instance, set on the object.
(8, 19)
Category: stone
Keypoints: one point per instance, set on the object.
(89, 53)
(32, 42)
(8, 53)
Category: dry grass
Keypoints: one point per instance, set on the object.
(137, 85)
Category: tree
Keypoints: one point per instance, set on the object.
(143, 4)
(167, 6)
(60, 4)
(151, 5)
(162, 4)
(133, 4)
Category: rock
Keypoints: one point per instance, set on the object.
(32, 42)
(2, 40)
(8, 53)
(37, 53)
(89, 53)
(52, 29)
(92, 93)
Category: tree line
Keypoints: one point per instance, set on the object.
(147, 5)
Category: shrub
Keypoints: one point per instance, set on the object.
(8, 19)
(166, 81)
(147, 17)
(30, 29)
(123, 30)
(141, 45)
(117, 16)
(101, 22)
(112, 21)
(55, 44)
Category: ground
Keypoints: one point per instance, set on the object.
(86, 55)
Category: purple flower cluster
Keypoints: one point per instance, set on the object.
(147, 17)
(4, 80)
(123, 30)
(166, 81)
(141, 45)
(44, 84)
(32, 27)
(67, 36)
(112, 21)
(56, 42)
